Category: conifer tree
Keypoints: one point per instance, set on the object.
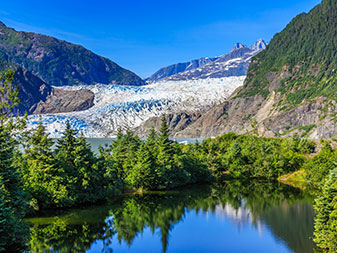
(90, 179)
(151, 141)
(143, 175)
(83, 179)
(42, 178)
(165, 153)
(151, 146)
(113, 183)
(13, 200)
(118, 149)
(124, 150)
(163, 138)
(132, 143)
(326, 215)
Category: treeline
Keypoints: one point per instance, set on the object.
(249, 156)
(35, 176)
(72, 175)
(321, 172)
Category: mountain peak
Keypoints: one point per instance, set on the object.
(260, 44)
(238, 46)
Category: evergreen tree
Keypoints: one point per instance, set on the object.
(113, 182)
(8, 97)
(118, 149)
(321, 164)
(90, 178)
(83, 180)
(42, 178)
(132, 144)
(165, 154)
(152, 141)
(124, 150)
(163, 138)
(143, 175)
(326, 215)
(13, 200)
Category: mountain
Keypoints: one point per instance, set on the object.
(259, 45)
(178, 68)
(38, 97)
(235, 63)
(139, 108)
(290, 87)
(58, 62)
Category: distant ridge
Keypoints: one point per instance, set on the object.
(58, 62)
(216, 67)
(178, 68)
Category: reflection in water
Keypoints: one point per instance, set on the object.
(284, 211)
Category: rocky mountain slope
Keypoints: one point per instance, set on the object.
(290, 87)
(58, 62)
(138, 108)
(38, 97)
(60, 101)
(235, 63)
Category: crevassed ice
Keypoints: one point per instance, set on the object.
(129, 106)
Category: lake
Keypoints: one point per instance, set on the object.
(229, 217)
(96, 142)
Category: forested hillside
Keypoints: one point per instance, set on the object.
(290, 87)
(59, 62)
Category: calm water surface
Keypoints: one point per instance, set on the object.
(231, 217)
(96, 142)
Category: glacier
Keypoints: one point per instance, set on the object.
(127, 107)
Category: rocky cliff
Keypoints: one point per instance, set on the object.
(38, 97)
(290, 87)
(59, 101)
(175, 121)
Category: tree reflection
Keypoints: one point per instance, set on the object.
(285, 210)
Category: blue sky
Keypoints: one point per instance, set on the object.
(144, 35)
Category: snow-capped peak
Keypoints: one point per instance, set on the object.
(260, 44)
(238, 46)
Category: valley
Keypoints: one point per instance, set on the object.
(95, 158)
(127, 107)
(194, 89)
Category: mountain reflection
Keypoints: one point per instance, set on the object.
(283, 210)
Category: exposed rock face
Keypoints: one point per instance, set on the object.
(290, 87)
(236, 115)
(58, 62)
(38, 97)
(32, 90)
(64, 101)
(176, 123)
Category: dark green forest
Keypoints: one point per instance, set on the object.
(34, 176)
(305, 54)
